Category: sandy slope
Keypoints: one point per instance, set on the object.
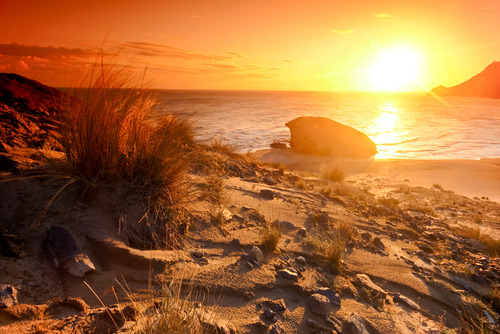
(406, 239)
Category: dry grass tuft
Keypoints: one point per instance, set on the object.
(111, 138)
(491, 245)
(333, 173)
(331, 245)
(270, 237)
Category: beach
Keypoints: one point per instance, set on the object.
(471, 178)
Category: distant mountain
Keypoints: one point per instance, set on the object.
(484, 84)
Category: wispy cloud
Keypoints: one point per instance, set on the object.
(235, 54)
(20, 50)
(384, 17)
(343, 31)
(163, 50)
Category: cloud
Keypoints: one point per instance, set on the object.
(20, 50)
(162, 50)
(235, 54)
(384, 17)
(344, 31)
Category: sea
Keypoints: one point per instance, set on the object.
(403, 125)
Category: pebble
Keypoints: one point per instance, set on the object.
(267, 194)
(378, 243)
(301, 260)
(332, 295)
(311, 323)
(276, 329)
(257, 254)
(319, 304)
(355, 325)
(364, 280)
(283, 224)
(198, 253)
(405, 300)
(269, 180)
(288, 274)
(269, 314)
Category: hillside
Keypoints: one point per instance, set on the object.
(484, 84)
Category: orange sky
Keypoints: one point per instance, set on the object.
(260, 44)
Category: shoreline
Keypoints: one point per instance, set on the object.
(471, 178)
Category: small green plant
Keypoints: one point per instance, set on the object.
(270, 237)
(333, 173)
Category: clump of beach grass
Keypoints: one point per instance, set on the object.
(331, 244)
(270, 237)
(332, 173)
(111, 137)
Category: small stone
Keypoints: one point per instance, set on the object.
(8, 295)
(405, 300)
(311, 323)
(355, 325)
(257, 254)
(302, 232)
(301, 260)
(489, 317)
(333, 296)
(463, 284)
(375, 290)
(319, 304)
(269, 314)
(267, 194)
(366, 236)
(276, 329)
(225, 214)
(198, 253)
(377, 242)
(288, 274)
(278, 305)
(490, 274)
(283, 224)
(269, 180)
(238, 218)
(249, 265)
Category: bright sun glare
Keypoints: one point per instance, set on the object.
(396, 70)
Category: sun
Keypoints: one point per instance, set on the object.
(396, 70)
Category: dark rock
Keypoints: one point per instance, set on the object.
(405, 300)
(269, 314)
(377, 242)
(321, 135)
(311, 323)
(366, 237)
(276, 329)
(198, 253)
(302, 232)
(8, 295)
(277, 305)
(333, 296)
(267, 194)
(355, 325)
(283, 224)
(64, 253)
(463, 283)
(279, 145)
(288, 274)
(319, 304)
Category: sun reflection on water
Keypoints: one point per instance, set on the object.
(383, 129)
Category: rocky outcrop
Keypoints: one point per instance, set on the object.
(484, 84)
(28, 114)
(323, 136)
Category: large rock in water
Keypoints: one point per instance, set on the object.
(321, 135)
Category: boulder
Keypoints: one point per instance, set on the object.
(355, 325)
(323, 136)
(64, 253)
(319, 304)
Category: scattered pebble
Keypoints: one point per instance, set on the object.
(257, 254)
(301, 260)
(267, 194)
(319, 304)
(288, 274)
